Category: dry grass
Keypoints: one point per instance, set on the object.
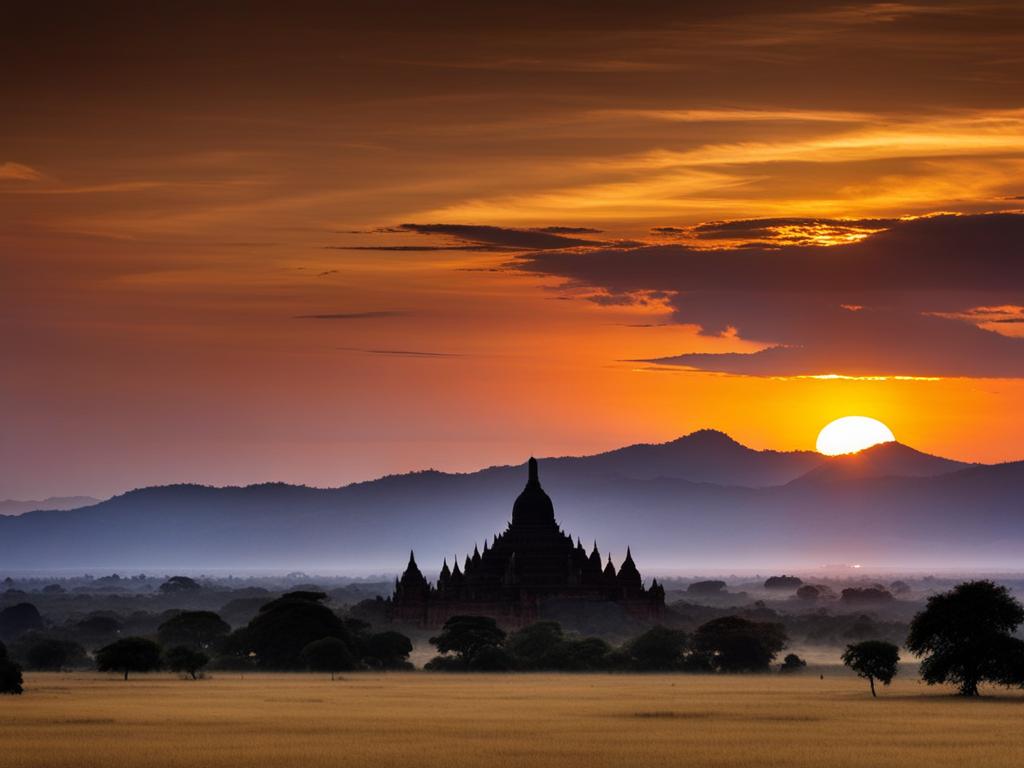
(419, 719)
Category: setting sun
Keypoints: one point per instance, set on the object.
(851, 434)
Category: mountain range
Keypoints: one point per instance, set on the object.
(700, 503)
(18, 506)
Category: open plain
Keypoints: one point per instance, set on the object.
(451, 720)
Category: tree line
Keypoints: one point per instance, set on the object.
(964, 637)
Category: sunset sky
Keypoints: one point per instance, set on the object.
(321, 242)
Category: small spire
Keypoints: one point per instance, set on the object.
(533, 480)
(412, 557)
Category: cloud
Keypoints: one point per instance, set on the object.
(917, 286)
(401, 352)
(353, 315)
(19, 172)
(476, 237)
(569, 230)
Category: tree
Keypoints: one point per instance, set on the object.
(783, 582)
(966, 637)
(706, 588)
(873, 659)
(328, 654)
(199, 630)
(388, 649)
(186, 659)
(129, 654)
(491, 658)
(179, 584)
(53, 654)
(465, 636)
(792, 663)
(736, 644)
(536, 645)
(98, 629)
(17, 619)
(10, 674)
(659, 648)
(284, 627)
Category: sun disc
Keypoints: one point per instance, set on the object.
(851, 434)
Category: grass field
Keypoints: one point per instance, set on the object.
(419, 719)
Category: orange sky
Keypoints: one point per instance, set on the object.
(181, 188)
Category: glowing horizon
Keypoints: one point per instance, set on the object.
(465, 236)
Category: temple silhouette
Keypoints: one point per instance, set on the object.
(532, 561)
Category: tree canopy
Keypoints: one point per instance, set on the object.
(792, 663)
(186, 659)
(284, 627)
(177, 584)
(54, 654)
(10, 674)
(17, 619)
(966, 637)
(328, 654)
(874, 660)
(735, 644)
(466, 636)
(199, 630)
(659, 648)
(129, 654)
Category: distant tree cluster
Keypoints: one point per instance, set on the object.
(873, 594)
(712, 587)
(292, 632)
(789, 583)
(729, 644)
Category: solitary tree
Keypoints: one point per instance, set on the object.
(328, 654)
(187, 660)
(10, 674)
(873, 659)
(792, 663)
(966, 637)
(129, 654)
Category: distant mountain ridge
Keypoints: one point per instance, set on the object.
(705, 456)
(883, 460)
(18, 507)
(701, 501)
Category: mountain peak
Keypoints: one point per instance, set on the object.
(710, 437)
(889, 459)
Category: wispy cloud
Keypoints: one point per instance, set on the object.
(19, 172)
(401, 352)
(371, 315)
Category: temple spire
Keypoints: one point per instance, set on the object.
(534, 479)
